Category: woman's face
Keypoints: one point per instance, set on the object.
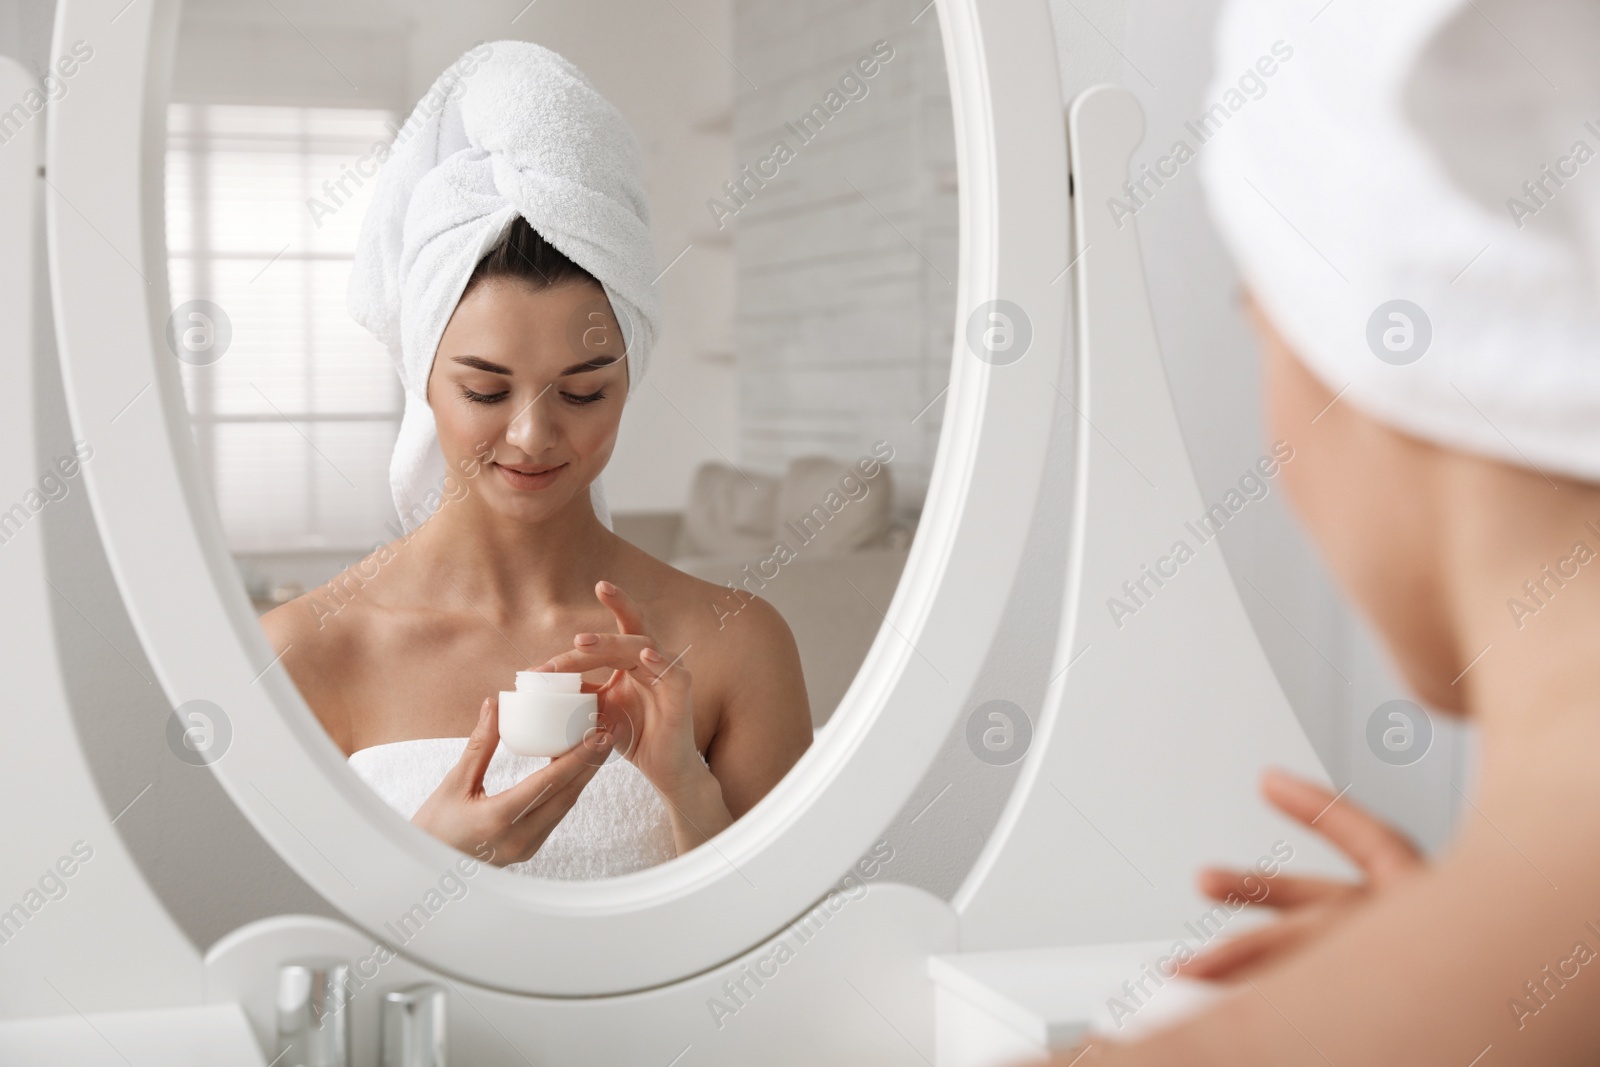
(531, 382)
(1367, 495)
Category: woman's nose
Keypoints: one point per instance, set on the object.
(532, 428)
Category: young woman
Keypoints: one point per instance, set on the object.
(1431, 358)
(518, 569)
(1493, 947)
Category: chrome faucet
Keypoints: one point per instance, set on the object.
(313, 1025)
(413, 1024)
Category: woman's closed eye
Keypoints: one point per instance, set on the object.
(494, 398)
(484, 398)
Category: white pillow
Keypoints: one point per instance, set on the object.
(730, 512)
(826, 506)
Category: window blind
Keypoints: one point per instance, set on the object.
(296, 421)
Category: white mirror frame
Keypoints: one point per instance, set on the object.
(106, 141)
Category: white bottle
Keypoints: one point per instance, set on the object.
(547, 714)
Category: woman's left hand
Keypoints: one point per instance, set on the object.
(646, 706)
(1309, 906)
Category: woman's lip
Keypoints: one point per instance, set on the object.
(518, 480)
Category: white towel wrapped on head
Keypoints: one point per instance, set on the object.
(1396, 157)
(521, 132)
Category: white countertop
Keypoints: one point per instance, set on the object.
(212, 1035)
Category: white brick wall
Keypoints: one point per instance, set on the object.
(846, 259)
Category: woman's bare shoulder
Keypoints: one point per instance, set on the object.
(700, 611)
(323, 637)
(340, 616)
(741, 645)
(321, 624)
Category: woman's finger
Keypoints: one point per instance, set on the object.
(630, 620)
(579, 660)
(620, 647)
(670, 674)
(1279, 891)
(619, 720)
(1303, 800)
(599, 738)
(529, 834)
(532, 825)
(481, 744)
(1382, 852)
(545, 783)
(1246, 949)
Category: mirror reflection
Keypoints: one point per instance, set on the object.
(568, 382)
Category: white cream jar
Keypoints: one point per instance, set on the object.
(547, 714)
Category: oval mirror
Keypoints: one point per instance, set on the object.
(763, 479)
(816, 373)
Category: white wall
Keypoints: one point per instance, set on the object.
(846, 260)
(1327, 659)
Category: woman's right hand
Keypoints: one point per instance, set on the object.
(513, 823)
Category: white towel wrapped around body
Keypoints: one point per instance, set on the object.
(520, 131)
(618, 824)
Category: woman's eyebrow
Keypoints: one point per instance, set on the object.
(479, 363)
(495, 368)
(593, 364)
